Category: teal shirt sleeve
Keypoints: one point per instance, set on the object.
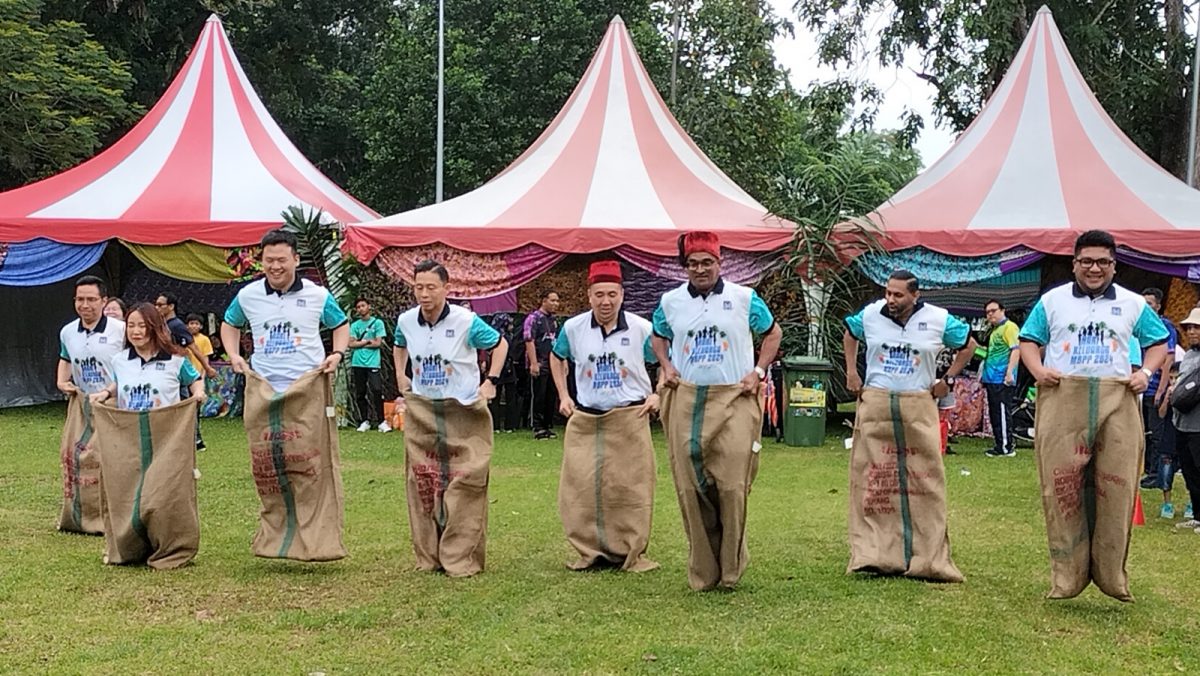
(957, 333)
(562, 346)
(1149, 329)
(380, 331)
(62, 351)
(1036, 329)
(332, 315)
(398, 338)
(187, 374)
(661, 327)
(1135, 353)
(648, 352)
(854, 324)
(761, 319)
(234, 315)
(482, 336)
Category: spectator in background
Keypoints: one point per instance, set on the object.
(999, 377)
(366, 336)
(115, 309)
(1152, 398)
(506, 407)
(540, 332)
(204, 348)
(165, 303)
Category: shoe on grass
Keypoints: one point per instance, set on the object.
(1167, 511)
(366, 425)
(1187, 511)
(384, 427)
(1190, 523)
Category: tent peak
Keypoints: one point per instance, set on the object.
(1044, 10)
(213, 18)
(617, 19)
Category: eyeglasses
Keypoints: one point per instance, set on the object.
(701, 264)
(992, 311)
(1087, 263)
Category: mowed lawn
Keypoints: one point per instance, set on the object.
(62, 611)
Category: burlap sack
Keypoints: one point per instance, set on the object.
(81, 512)
(447, 458)
(1088, 439)
(713, 434)
(148, 459)
(606, 489)
(898, 488)
(297, 469)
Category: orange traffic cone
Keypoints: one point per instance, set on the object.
(1139, 517)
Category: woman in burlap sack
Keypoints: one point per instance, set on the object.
(147, 449)
(606, 490)
(711, 405)
(897, 479)
(1088, 429)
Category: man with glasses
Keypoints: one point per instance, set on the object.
(1088, 434)
(999, 377)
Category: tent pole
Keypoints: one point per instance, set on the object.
(441, 96)
(675, 48)
(1191, 161)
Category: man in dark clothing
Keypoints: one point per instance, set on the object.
(540, 331)
(1152, 422)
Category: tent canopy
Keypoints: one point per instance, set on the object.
(1040, 164)
(614, 168)
(207, 163)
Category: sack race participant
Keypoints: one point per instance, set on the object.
(713, 418)
(447, 425)
(1087, 430)
(606, 488)
(289, 414)
(897, 517)
(85, 347)
(147, 448)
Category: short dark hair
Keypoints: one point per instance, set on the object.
(546, 293)
(1096, 238)
(1153, 291)
(998, 304)
(906, 276)
(193, 317)
(429, 265)
(361, 299)
(279, 236)
(93, 280)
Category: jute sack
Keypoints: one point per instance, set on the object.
(447, 459)
(297, 469)
(81, 511)
(1088, 439)
(713, 434)
(148, 459)
(606, 489)
(898, 488)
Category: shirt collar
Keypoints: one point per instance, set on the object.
(622, 325)
(1109, 293)
(297, 285)
(100, 325)
(421, 316)
(717, 288)
(887, 313)
(162, 355)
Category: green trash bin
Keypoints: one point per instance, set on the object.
(805, 389)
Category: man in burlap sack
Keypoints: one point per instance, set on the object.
(606, 489)
(85, 347)
(712, 412)
(897, 519)
(289, 410)
(447, 424)
(1088, 428)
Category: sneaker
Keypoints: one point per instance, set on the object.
(551, 435)
(201, 447)
(993, 453)
(1187, 511)
(1190, 523)
(384, 427)
(366, 425)
(1149, 482)
(1167, 511)
(542, 434)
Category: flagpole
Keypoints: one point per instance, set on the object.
(441, 96)
(1191, 161)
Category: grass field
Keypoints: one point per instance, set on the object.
(61, 611)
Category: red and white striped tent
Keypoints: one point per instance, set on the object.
(614, 168)
(1040, 164)
(207, 163)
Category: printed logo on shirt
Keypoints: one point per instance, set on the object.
(140, 397)
(900, 360)
(625, 341)
(606, 371)
(160, 366)
(1094, 344)
(103, 340)
(922, 326)
(300, 302)
(283, 338)
(1116, 311)
(90, 371)
(727, 305)
(706, 346)
(432, 371)
(449, 333)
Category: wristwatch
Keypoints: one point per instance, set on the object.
(495, 380)
(1148, 372)
(762, 375)
(949, 380)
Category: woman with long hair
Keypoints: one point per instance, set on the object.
(152, 372)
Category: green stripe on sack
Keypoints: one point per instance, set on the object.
(85, 437)
(1089, 470)
(902, 472)
(146, 445)
(443, 454)
(599, 455)
(697, 431)
(275, 420)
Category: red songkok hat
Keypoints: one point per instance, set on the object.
(701, 242)
(604, 271)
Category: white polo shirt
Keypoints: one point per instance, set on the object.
(89, 352)
(143, 385)
(444, 354)
(712, 336)
(610, 369)
(286, 327)
(1090, 335)
(903, 357)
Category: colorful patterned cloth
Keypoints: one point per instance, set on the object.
(224, 392)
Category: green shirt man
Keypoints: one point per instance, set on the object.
(367, 330)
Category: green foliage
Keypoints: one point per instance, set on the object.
(62, 93)
(319, 249)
